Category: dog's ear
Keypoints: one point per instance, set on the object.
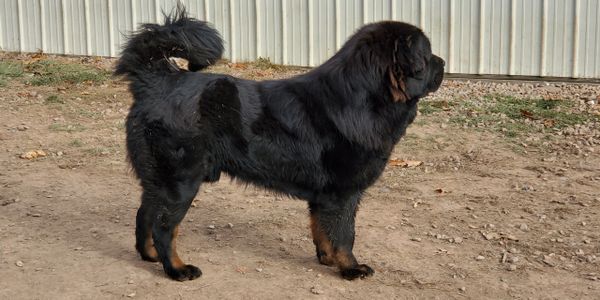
(396, 77)
(397, 86)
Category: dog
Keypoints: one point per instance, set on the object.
(324, 136)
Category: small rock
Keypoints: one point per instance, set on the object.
(35, 215)
(19, 264)
(229, 225)
(130, 282)
(511, 267)
(513, 250)
(415, 239)
(513, 259)
(490, 235)
(480, 257)
(458, 240)
(524, 227)
(549, 260)
(211, 226)
(131, 295)
(78, 248)
(315, 290)
(22, 128)
(259, 270)
(462, 289)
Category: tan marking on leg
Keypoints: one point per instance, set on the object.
(345, 260)
(322, 242)
(149, 247)
(176, 262)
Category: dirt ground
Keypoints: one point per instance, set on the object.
(494, 211)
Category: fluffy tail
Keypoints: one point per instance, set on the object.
(148, 50)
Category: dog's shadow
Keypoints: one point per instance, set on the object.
(198, 242)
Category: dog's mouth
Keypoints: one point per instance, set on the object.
(438, 77)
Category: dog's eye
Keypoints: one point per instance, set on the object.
(419, 74)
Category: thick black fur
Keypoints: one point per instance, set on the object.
(324, 136)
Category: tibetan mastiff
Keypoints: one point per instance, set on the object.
(324, 136)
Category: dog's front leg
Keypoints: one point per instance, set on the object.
(332, 225)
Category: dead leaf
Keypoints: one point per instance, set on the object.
(549, 123)
(33, 154)
(528, 114)
(238, 66)
(405, 163)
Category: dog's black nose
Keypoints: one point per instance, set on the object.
(439, 60)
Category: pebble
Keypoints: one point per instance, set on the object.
(513, 259)
(549, 260)
(480, 257)
(490, 235)
(315, 290)
(19, 264)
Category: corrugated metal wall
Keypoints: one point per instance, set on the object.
(558, 38)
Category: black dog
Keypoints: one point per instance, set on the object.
(324, 136)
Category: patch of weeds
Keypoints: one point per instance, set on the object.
(516, 116)
(430, 107)
(54, 99)
(76, 143)
(263, 63)
(48, 72)
(426, 108)
(553, 113)
(67, 127)
(97, 151)
(9, 69)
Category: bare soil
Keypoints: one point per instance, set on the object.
(486, 216)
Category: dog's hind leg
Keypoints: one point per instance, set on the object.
(332, 225)
(172, 206)
(143, 228)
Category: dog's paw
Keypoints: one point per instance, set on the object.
(187, 272)
(360, 271)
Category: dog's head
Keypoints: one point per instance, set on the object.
(401, 56)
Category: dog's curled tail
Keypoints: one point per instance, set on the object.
(149, 49)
